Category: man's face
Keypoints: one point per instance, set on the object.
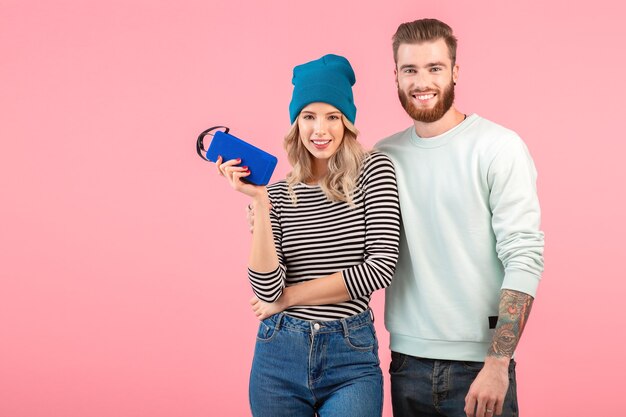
(425, 79)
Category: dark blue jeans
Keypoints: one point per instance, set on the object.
(435, 388)
(326, 368)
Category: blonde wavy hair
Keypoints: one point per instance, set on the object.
(344, 165)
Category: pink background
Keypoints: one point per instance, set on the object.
(122, 255)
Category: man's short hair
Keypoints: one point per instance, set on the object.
(424, 30)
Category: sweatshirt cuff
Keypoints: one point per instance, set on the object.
(522, 281)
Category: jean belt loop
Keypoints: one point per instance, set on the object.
(346, 330)
(371, 314)
(279, 320)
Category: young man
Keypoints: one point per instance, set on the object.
(471, 252)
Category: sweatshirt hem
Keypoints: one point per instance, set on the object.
(439, 349)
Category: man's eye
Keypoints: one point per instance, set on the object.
(409, 71)
(435, 69)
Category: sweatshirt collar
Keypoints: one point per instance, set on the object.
(444, 138)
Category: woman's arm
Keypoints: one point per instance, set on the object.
(263, 257)
(265, 271)
(330, 289)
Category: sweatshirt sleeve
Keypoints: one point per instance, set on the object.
(516, 216)
(382, 229)
(268, 286)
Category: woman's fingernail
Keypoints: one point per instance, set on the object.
(245, 168)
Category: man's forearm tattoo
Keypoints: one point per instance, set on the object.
(514, 310)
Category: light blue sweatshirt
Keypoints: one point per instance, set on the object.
(470, 218)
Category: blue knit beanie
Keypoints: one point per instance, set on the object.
(327, 80)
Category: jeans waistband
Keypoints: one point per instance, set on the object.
(282, 320)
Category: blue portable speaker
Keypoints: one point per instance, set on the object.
(260, 163)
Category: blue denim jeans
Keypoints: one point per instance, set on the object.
(325, 368)
(428, 387)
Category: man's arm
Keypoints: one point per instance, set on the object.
(487, 392)
(515, 220)
(512, 317)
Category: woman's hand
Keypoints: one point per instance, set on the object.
(234, 174)
(263, 310)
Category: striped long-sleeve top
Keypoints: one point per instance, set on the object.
(317, 237)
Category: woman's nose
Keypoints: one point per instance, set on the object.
(320, 127)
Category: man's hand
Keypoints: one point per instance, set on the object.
(263, 310)
(486, 394)
(250, 217)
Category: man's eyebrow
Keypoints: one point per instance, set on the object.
(436, 64)
(429, 65)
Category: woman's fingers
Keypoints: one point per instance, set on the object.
(254, 302)
(234, 173)
(256, 307)
(218, 165)
(236, 179)
(222, 166)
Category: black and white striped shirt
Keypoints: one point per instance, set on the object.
(317, 237)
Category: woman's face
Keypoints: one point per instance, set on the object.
(321, 129)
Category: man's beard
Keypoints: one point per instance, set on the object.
(444, 103)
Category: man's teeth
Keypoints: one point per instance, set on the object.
(425, 96)
(321, 142)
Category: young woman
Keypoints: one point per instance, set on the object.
(324, 239)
